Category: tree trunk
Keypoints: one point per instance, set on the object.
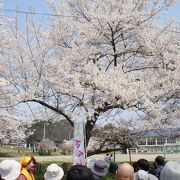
(88, 131)
(114, 154)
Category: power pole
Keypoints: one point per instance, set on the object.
(44, 134)
(69, 134)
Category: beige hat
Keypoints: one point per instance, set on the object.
(171, 171)
(54, 172)
(10, 169)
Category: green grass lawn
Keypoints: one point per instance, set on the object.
(14, 151)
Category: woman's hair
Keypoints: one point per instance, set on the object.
(143, 164)
(79, 172)
(160, 160)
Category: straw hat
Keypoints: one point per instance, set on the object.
(10, 169)
(54, 172)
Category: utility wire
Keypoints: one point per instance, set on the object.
(36, 13)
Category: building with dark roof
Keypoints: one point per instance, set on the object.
(159, 141)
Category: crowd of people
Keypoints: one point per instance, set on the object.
(140, 170)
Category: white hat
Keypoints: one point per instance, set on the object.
(171, 171)
(54, 172)
(10, 169)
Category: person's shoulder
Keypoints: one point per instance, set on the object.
(21, 177)
(135, 176)
(152, 177)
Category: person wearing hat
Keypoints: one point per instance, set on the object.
(9, 169)
(53, 172)
(171, 171)
(99, 169)
(29, 167)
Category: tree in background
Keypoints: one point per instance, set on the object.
(46, 146)
(12, 129)
(56, 131)
(67, 146)
(111, 138)
(96, 59)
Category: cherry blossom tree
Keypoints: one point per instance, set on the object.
(12, 130)
(97, 58)
(46, 146)
(110, 138)
(11, 127)
(67, 146)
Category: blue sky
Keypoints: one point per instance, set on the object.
(41, 7)
(24, 5)
(38, 6)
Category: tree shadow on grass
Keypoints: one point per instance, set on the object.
(7, 154)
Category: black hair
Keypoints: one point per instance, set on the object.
(135, 166)
(113, 168)
(143, 164)
(160, 160)
(79, 172)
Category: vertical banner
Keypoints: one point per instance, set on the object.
(78, 145)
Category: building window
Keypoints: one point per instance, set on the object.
(151, 141)
(171, 141)
(161, 141)
(142, 142)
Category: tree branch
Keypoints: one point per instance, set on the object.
(59, 111)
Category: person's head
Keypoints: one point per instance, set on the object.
(143, 164)
(113, 168)
(79, 172)
(28, 162)
(159, 161)
(135, 166)
(53, 172)
(99, 168)
(125, 172)
(171, 171)
(10, 169)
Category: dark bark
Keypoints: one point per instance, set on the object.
(88, 130)
(59, 111)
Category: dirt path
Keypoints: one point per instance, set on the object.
(119, 157)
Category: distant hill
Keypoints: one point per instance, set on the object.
(56, 131)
